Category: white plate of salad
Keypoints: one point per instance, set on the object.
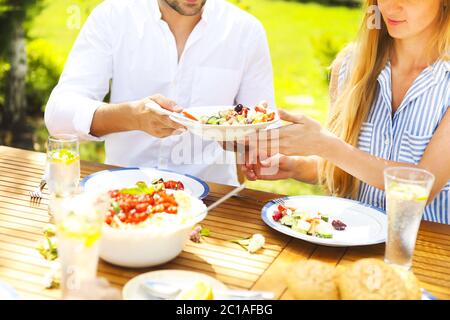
(228, 123)
(126, 177)
(328, 221)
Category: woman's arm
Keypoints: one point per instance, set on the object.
(369, 168)
(305, 140)
(283, 167)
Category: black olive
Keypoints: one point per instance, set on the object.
(238, 108)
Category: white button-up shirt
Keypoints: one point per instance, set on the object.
(126, 47)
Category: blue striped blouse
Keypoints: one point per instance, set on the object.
(405, 136)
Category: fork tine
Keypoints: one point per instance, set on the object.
(37, 193)
(278, 201)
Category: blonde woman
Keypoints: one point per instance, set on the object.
(390, 94)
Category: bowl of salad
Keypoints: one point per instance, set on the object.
(148, 225)
(228, 123)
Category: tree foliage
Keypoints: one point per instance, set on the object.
(13, 14)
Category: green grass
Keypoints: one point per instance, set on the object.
(293, 31)
(52, 24)
(303, 39)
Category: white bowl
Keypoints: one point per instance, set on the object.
(149, 246)
(222, 132)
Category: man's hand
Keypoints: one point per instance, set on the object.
(112, 118)
(156, 124)
(274, 168)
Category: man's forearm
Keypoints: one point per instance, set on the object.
(111, 118)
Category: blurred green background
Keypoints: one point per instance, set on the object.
(37, 35)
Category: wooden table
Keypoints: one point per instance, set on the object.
(21, 224)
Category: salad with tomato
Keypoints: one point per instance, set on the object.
(240, 115)
(317, 224)
(139, 205)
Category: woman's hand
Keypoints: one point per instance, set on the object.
(304, 137)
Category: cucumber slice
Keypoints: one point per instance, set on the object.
(301, 226)
(212, 120)
(324, 231)
(297, 229)
(300, 215)
(324, 235)
(288, 221)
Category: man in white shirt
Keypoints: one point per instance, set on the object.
(177, 53)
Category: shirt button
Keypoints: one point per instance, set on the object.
(386, 142)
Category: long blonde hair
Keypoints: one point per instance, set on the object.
(370, 53)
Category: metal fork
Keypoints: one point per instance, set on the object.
(279, 201)
(36, 195)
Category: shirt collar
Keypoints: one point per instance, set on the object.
(432, 75)
(440, 68)
(208, 10)
(155, 12)
(446, 65)
(384, 80)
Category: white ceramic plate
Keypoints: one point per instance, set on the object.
(7, 292)
(365, 225)
(184, 279)
(220, 132)
(127, 177)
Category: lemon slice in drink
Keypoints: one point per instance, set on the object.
(200, 291)
(408, 192)
(63, 156)
(73, 227)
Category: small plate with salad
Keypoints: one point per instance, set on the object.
(328, 221)
(228, 123)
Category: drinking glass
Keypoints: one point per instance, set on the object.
(79, 220)
(63, 164)
(407, 192)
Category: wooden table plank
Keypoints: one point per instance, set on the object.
(21, 223)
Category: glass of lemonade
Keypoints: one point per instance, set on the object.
(63, 164)
(79, 220)
(407, 192)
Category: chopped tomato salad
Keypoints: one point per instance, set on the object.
(137, 204)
